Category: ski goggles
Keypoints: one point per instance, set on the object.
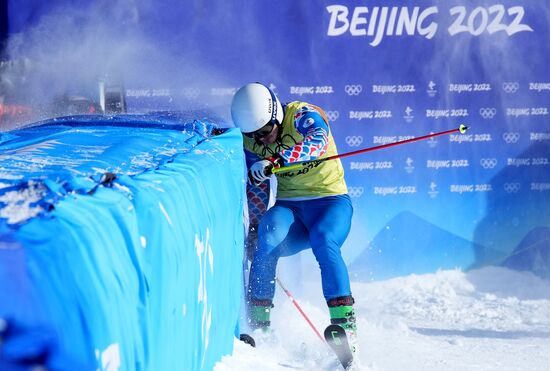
(264, 131)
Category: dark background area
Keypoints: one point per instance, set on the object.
(3, 24)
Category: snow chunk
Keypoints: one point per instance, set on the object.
(17, 206)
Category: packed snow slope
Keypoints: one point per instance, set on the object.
(487, 319)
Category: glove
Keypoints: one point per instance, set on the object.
(261, 170)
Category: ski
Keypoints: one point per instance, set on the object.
(337, 340)
(247, 339)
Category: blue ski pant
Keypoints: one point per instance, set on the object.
(289, 227)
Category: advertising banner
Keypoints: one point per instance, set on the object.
(384, 71)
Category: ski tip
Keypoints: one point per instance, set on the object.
(245, 338)
(463, 128)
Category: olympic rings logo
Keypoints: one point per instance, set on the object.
(353, 89)
(355, 192)
(510, 87)
(488, 163)
(487, 113)
(191, 93)
(512, 187)
(332, 115)
(354, 141)
(510, 137)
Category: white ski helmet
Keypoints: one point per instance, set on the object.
(255, 105)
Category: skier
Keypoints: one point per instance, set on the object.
(312, 208)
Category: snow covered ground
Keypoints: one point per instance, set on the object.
(486, 319)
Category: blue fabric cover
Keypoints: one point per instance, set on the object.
(143, 272)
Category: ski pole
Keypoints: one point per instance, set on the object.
(299, 309)
(461, 129)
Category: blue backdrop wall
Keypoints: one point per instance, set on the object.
(383, 71)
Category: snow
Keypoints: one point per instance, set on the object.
(19, 205)
(487, 319)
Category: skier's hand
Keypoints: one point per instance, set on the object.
(261, 170)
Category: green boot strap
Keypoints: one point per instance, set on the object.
(344, 316)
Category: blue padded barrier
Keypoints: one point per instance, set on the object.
(140, 272)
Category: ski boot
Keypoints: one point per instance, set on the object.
(259, 313)
(343, 314)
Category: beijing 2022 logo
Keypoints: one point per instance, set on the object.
(378, 22)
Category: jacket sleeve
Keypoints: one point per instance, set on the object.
(250, 158)
(309, 122)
